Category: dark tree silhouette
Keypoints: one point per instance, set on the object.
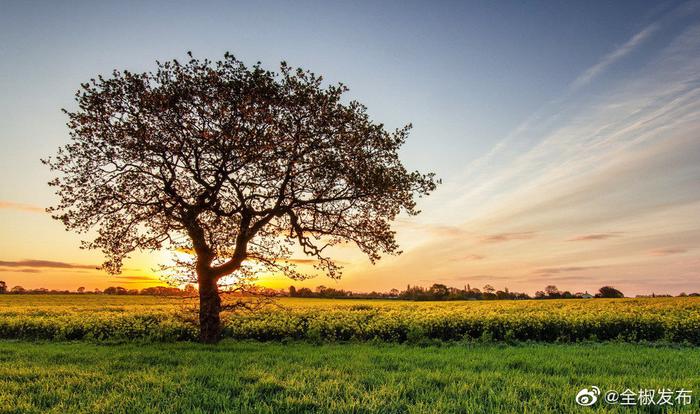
(3, 287)
(235, 164)
(439, 291)
(609, 292)
(552, 291)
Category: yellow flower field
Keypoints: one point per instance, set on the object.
(105, 317)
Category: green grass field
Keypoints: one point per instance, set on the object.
(253, 377)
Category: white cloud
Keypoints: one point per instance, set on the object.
(633, 43)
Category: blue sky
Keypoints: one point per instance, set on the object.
(547, 121)
(464, 74)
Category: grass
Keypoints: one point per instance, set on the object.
(253, 377)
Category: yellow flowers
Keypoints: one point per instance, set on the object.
(102, 317)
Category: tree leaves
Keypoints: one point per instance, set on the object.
(233, 163)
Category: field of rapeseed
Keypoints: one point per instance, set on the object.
(102, 317)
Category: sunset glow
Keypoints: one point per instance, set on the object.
(579, 171)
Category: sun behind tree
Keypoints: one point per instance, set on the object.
(234, 164)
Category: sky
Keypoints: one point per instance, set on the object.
(566, 134)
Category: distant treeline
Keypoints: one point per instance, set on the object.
(189, 290)
(439, 291)
(415, 293)
(443, 292)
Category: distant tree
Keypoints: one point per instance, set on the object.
(420, 293)
(540, 294)
(609, 292)
(552, 292)
(81, 289)
(394, 292)
(150, 291)
(18, 289)
(233, 164)
(3, 287)
(304, 292)
(455, 293)
(503, 294)
(189, 290)
(439, 291)
(115, 290)
(163, 291)
(292, 291)
(489, 289)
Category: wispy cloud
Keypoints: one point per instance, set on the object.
(566, 269)
(33, 263)
(594, 236)
(137, 278)
(20, 270)
(633, 43)
(667, 252)
(11, 205)
(572, 282)
(504, 237)
(440, 230)
(467, 257)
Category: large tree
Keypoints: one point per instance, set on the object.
(240, 166)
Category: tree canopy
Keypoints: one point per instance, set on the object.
(235, 164)
(609, 292)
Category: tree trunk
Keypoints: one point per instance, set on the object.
(209, 309)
